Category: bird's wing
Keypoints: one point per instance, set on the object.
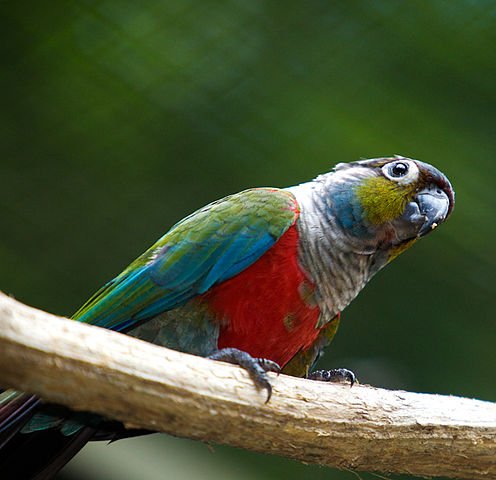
(206, 248)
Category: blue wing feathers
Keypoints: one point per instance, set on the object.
(187, 262)
(243, 252)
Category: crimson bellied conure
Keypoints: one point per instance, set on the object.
(257, 278)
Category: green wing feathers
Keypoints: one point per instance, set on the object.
(206, 248)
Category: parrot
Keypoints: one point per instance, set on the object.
(258, 279)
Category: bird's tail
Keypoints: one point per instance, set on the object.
(37, 455)
(41, 453)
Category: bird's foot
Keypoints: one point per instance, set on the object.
(256, 367)
(338, 375)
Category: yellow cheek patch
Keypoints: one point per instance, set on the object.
(383, 200)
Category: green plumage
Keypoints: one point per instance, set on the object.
(207, 247)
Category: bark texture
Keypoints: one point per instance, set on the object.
(145, 386)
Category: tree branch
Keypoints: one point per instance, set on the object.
(145, 386)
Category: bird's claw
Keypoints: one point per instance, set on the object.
(268, 365)
(256, 367)
(338, 375)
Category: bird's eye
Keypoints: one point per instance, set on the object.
(402, 171)
(399, 169)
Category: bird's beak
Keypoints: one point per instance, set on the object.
(434, 205)
(428, 209)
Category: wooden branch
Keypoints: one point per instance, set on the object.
(145, 386)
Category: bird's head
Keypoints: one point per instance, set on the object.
(391, 202)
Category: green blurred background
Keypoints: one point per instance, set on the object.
(119, 118)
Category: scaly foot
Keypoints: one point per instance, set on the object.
(339, 375)
(256, 367)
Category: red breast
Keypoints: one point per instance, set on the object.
(268, 310)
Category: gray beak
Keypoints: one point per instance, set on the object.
(423, 214)
(434, 205)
